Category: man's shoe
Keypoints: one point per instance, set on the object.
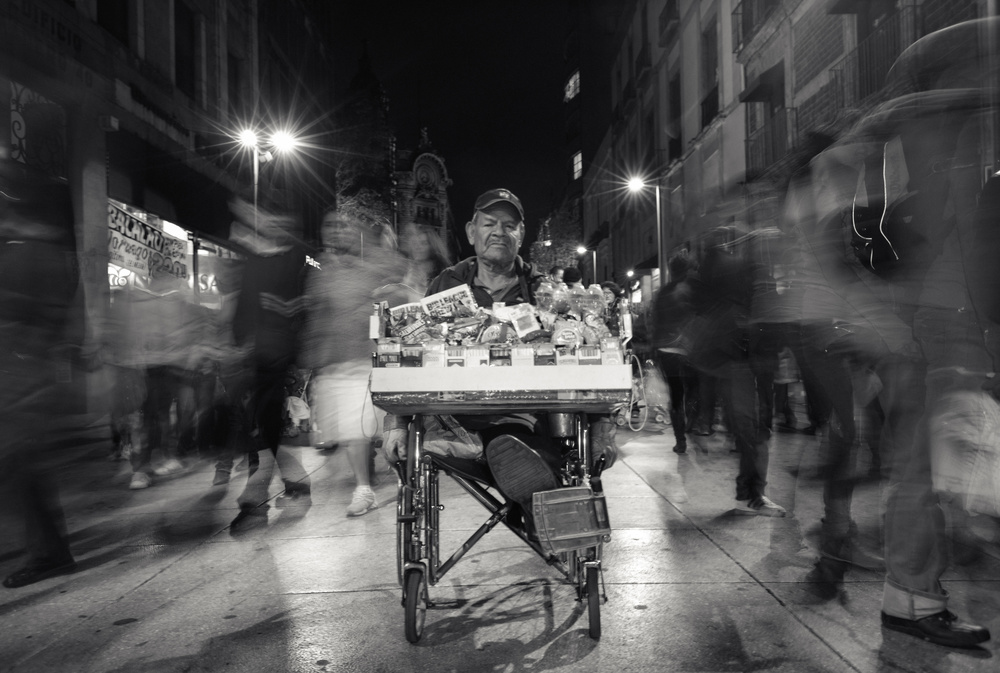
(140, 480)
(680, 447)
(221, 478)
(518, 470)
(942, 628)
(38, 571)
(362, 502)
(826, 577)
(293, 496)
(249, 517)
(761, 506)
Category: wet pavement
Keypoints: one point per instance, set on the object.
(691, 584)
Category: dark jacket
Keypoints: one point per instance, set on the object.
(464, 273)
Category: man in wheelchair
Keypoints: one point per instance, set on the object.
(522, 456)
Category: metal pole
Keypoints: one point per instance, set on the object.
(659, 242)
(594, 265)
(256, 172)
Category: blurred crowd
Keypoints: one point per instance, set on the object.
(866, 272)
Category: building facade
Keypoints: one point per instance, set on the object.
(138, 104)
(712, 99)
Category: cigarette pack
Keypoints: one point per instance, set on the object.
(566, 355)
(477, 356)
(388, 350)
(434, 354)
(545, 354)
(454, 356)
(500, 356)
(522, 356)
(589, 355)
(411, 355)
(611, 351)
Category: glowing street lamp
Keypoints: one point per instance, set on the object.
(280, 141)
(582, 250)
(637, 184)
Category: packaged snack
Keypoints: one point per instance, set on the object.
(524, 318)
(567, 332)
(457, 302)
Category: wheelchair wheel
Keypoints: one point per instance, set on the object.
(415, 604)
(593, 591)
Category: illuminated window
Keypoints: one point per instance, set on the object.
(572, 87)
(577, 165)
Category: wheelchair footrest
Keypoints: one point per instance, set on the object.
(570, 518)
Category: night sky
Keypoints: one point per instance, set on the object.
(484, 78)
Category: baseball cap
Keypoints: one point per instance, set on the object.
(499, 195)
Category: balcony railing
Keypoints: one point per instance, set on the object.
(748, 17)
(670, 20)
(770, 142)
(860, 75)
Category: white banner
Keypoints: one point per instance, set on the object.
(142, 248)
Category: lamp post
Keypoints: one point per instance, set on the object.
(637, 184)
(281, 141)
(582, 250)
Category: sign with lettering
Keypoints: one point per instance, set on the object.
(142, 248)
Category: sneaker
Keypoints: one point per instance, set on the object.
(518, 470)
(362, 502)
(140, 480)
(761, 506)
(221, 478)
(171, 466)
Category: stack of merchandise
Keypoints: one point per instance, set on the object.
(448, 329)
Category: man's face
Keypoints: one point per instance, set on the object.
(557, 276)
(496, 233)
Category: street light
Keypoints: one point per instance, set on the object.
(637, 184)
(582, 250)
(280, 141)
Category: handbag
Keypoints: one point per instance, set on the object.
(445, 436)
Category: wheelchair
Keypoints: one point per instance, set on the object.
(571, 522)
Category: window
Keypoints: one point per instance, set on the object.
(112, 15)
(572, 87)
(578, 165)
(184, 48)
(235, 86)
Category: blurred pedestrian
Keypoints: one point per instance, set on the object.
(336, 343)
(268, 317)
(671, 351)
(38, 291)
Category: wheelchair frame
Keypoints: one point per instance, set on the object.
(418, 507)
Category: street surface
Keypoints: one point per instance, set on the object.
(162, 585)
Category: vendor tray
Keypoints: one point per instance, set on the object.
(484, 390)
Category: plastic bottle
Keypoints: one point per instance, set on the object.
(595, 300)
(560, 298)
(543, 295)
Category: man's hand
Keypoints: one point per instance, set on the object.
(394, 445)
